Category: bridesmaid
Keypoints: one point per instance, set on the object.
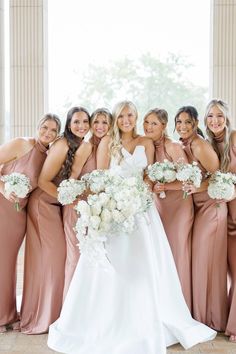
(209, 241)
(223, 140)
(101, 121)
(26, 156)
(173, 207)
(45, 249)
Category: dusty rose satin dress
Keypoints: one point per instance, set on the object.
(70, 217)
(12, 230)
(209, 256)
(177, 217)
(45, 253)
(231, 323)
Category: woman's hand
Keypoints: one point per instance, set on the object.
(189, 188)
(12, 197)
(159, 187)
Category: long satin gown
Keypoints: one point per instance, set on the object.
(135, 306)
(12, 230)
(231, 323)
(70, 217)
(177, 216)
(44, 268)
(209, 256)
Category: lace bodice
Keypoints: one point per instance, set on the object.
(131, 163)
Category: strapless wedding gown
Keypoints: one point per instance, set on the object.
(134, 307)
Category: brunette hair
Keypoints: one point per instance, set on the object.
(72, 140)
(193, 114)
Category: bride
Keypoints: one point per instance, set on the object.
(136, 306)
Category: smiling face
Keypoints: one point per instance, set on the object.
(185, 125)
(79, 124)
(100, 125)
(215, 120)
(126, 120)
(153, 128)
(48, 132)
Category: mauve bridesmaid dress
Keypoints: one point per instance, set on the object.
(231, 323)
(209, 256)
(70, 217)
(13, 226)
(177, 217)
(45, 253)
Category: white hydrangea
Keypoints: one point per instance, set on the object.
(163, 172)
(222, 185)
(69, 190)
(16, 183)
(110, 210)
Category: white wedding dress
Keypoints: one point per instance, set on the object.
(134, 307)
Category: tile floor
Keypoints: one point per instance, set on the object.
(18, 343)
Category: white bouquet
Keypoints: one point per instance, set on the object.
(108, 212)
(163, 172)
(189, 173)
(222, 185)
(16, 183)
(69, 190)
(96, 180)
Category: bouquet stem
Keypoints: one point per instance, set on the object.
(17, 206)
(185, 195)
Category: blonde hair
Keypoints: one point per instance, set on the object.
(50, 116)
(161, 115)
(116, 143)
(224, 156)
(106, 113)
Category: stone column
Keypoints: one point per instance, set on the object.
(28, 65)
(223, 53)
(2, 74)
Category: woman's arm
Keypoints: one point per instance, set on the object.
(52, 165)
(149, 148)
(11, 151)
(103, 153)
(206, 155)
(81, 156)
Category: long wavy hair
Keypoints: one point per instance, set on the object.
(224, 156)
(73, 141)
(193, 115)
(161, 115)
(116, 142)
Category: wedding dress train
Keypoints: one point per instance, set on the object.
(135, 306)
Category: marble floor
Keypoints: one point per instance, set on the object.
(18, 343)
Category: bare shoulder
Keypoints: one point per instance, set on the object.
(59, 145)
(85, 147)
(203, 149)
(144, 140)
(233, 138)
(172, 145)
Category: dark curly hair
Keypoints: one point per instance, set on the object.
(73, 142)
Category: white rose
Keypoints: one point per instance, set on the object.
(83, 208)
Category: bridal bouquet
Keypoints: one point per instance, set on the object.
(17, 183)
(69, 190)
(222, 185)
(109, 211)
(189, 173)
(163, 172)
